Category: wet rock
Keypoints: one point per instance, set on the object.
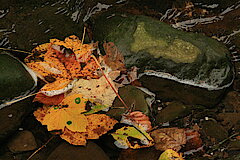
(234, 145)
(230, 120)
(234, 157)
(22, 141)
(168, 90)
(12, 116)
(172, 111)
(162, 52)
(7, 156)
(232, 101)
(133, 97)
(214, 130)
(15, 81)
(66, 151)
(140, 154)
(236, 85)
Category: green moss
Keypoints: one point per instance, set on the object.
(178, 50)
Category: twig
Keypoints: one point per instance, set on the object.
(215, 147)
(113, 88)
(15, 50)
(19, 99)
(84, 32)
(44, 145)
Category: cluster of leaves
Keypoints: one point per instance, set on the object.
(79, 85)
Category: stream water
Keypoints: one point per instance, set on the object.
(26, 24)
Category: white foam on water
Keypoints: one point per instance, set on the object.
(183, 81)
(94, 10)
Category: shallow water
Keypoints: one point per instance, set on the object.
(24, 25)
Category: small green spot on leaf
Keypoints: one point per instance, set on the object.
(56, 107)
(69, 122)
(77, 100)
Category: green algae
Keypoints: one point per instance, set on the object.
(178, 50)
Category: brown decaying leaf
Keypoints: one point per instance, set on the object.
(113, 58)
(193, 143)
(139, 118)
(53, 100)
(169, 138)
(98, 124)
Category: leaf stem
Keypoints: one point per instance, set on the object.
(44, 145)
(15, 50)
(113, 88)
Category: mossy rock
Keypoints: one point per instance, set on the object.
(160, 50)
(199, 65)
(16, 79)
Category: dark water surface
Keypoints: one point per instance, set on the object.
(24, 24)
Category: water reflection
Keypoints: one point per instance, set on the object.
(23, 25)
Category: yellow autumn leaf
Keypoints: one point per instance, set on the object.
(170, 154)
(98, 124)
(58, 118)
(75, 101)
(140, 138)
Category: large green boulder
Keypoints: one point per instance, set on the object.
(163, 53)
(16, 81)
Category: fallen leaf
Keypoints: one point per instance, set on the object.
(53, 100)
(41, 112)
(137, 118)
(94, 107)
(170, 154)
(131, 137)
(113, 58)
(63, 59)
(169, 138)
(58, 87)
(193, 142)
(75, 101)
(96, 89)
(58, 118)
(98, 124)
(75, 138)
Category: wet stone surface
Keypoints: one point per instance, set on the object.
(22, 141)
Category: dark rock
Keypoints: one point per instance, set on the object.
(140, 154)
(236, 85)
(172, 111)
(234, 157)
(22, 141)
(168, 90)
(7, 156)
(232, 101)
(234, 145)
(163, 52)
(230, 120)
(66, 151)
(12, 116)
(214, 130)
(15, 82)
(133, 97)
(16, 79)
